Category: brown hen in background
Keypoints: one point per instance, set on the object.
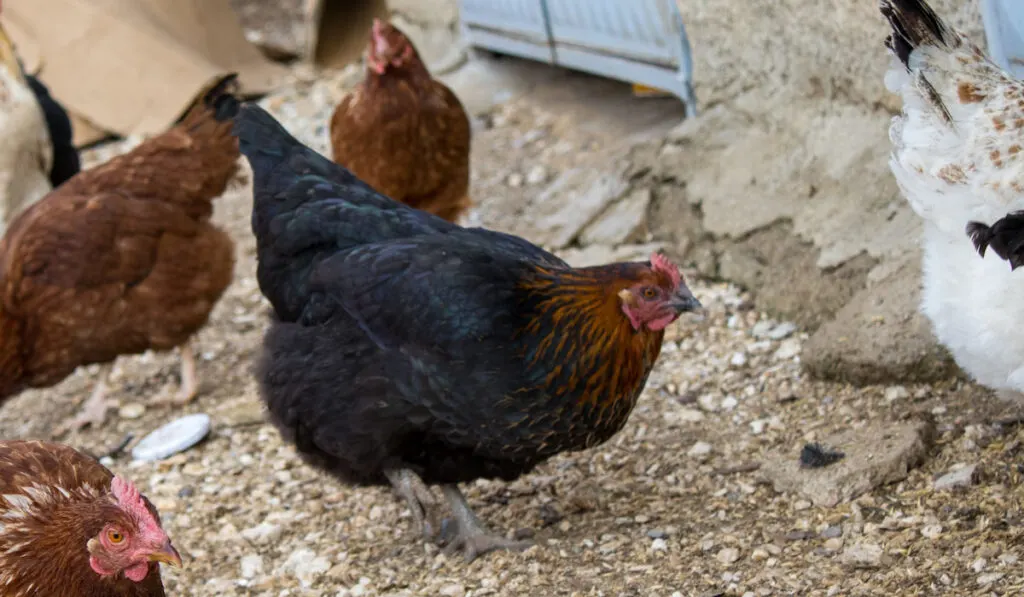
(403, 132)
(69, 527)
(121, 258)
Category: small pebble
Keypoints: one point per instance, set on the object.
(252, 565)
(453, 590)
(832, 532)
(133, 410)
(515, 180)
(931, 531)
(865, 555)
(990, 577)
(789, 349)
(657, 534)
(728, 555)
(729, 403)
(782, 331)
(659, 545)
(699, 450)
(263, 533)
(536, 175)
(961, 477)
(893, 393)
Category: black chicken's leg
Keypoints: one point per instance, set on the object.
(417, 495)
(471, 536)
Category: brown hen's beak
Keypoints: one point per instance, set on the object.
(166, 555)
(683, 301)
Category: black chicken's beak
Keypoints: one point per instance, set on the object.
(683, 301)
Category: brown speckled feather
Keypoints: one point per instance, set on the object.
(408, 136)
(121, 258)
(52, 500)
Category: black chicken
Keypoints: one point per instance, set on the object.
(409, 350)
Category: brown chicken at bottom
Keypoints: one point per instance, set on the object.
(122, 258)
(69, 527)
(403, 132)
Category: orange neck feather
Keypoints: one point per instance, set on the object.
(581, 335)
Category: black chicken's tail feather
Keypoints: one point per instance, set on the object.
(219, 98)
(914, 24)
(266, 144)
(1005, 237)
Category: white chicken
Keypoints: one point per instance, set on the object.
(26, 151)
(957, 156)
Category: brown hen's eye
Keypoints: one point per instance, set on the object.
(115, 537)
(649, 293)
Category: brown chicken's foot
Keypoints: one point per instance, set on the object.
(189, 380)
(470, 535)
(94, 410)
(419, 498)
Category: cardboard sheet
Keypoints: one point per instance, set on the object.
(132, 66)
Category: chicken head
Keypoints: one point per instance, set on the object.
(658, 299)
(389, 47)
(131, 538)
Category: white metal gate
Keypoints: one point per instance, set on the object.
(639, 41)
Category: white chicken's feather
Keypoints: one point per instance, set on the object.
(26, 152)
(957, 156)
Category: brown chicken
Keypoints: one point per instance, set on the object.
(69, 527)
(121, 258)
(403, 132)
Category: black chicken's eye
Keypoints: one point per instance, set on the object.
(650, 293)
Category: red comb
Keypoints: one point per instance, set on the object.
(132, 502)
(662, 264)
(125, 491)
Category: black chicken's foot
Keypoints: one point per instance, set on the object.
(470, 535)
(420, 500)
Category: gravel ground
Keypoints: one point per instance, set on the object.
(673, 505)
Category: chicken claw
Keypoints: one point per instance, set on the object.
(420, 500)
(94, 411)
(470, 535)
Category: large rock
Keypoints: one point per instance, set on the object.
(874, 455)
(624, 221)
(879, 336)
(570, 203)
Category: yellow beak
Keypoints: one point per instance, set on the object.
(166, 555)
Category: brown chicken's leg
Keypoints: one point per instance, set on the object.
(94, 410)
(189, 380)
(417, 495)
(471, 536)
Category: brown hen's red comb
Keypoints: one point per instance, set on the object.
(663, 264)
(131, 501)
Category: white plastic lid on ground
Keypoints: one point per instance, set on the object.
(176, 436)
(1004, 28)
